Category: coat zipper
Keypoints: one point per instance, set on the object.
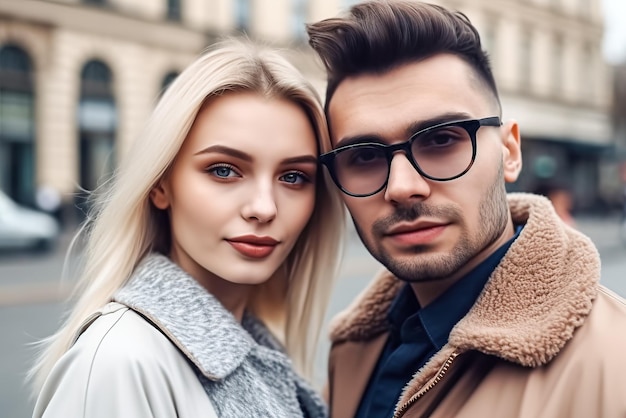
(442, 371)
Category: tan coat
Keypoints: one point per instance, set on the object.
(544, 339)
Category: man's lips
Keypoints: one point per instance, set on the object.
(253, 246)
(404, 228)
(418, 233)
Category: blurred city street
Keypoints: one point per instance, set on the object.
(31, 301)
(79, 79)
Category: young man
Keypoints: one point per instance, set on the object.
(490, 305)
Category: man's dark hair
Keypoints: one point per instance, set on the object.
(377, 36)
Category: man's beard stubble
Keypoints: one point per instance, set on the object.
(494, 213)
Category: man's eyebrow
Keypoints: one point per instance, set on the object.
(221, 149)
(358, 139)
(437, 120)
(409, 131)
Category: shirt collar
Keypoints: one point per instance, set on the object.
(439, 317)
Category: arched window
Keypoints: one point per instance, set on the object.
(587, 67)
(299, 18)
(243, 12)
(557, 64)
(97, 123)
(167, 80)
(489, 37)
(17, 125)
(525, 59)
(173, 10)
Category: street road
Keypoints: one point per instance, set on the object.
(31, 307)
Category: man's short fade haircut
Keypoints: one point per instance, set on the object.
(377, 36)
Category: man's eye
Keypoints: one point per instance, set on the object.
(442, 138)
(364, 156)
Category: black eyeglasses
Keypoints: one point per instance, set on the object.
(442, 152)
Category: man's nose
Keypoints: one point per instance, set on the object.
(405, 182)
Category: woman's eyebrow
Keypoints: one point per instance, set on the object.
(221, 149)
(301, 159)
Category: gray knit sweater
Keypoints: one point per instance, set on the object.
(242, 367)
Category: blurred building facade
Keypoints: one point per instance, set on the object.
(547, 57)
(78, 78)
(619, 122)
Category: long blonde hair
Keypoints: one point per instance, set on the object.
(124, 226)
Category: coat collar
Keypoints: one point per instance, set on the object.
(193, 319)
(537, 296)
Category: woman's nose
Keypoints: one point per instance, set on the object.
(261, 205)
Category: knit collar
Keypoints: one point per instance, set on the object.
(537, 296)
(194, 320)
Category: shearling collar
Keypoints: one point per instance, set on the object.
(538, 295)
(193, 319)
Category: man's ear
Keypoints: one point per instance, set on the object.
(159, 196)
(512, 155)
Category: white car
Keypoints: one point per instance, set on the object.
(24, 228)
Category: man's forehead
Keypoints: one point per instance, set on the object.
(422, 89)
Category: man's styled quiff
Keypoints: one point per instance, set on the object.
(377, 36)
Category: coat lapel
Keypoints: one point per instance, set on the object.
(348, 378)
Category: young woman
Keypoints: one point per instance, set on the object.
(218, 228)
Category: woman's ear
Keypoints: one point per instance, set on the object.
(159, 196)
(512, 155)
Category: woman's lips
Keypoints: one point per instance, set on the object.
(253, 246)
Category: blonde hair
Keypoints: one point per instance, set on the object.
(124, 226)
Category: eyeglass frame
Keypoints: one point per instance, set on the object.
(328, 158)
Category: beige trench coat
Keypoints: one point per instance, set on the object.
(152, 378)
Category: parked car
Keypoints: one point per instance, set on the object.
(24, 228)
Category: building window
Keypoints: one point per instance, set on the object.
(97, 124)
(585, 8)
(173, 10)
(167, 80)
(243, 12)
(557, 65)
(489, 38)
(299, 15)
(525, 64)
(96, 80)
(587, 78)
(17, 125)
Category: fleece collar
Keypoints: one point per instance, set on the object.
(541, 291)
(193, 319)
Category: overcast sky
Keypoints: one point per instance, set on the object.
(615, 30)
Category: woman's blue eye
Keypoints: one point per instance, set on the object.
(294, 178)
(222, 171)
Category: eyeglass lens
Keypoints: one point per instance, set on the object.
(441, 153)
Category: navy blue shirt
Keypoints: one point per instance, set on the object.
(417, 334)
